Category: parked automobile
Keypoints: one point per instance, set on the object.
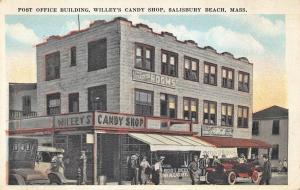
(22, 155)
(229, 171)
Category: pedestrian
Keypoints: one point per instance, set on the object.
(242, 159)
(280, 167)
(157, 170)
(203, 164)
(193, 169)
(83, 162)
(133, 168)
(144, 171)
(57, 164)
(285, 165)
(266, 175)
(215, 161)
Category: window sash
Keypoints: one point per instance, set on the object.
(169, 63)
(168, 105)
(243, 117)
(210, 113)
(190, 109)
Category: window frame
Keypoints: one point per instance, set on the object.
(73, 56)
(274, 129)
(232, 114)
(48, 101)
(54, 66)
(167, 64)
(91, 104)
(209, 114)
(167, 101)
(99, 65)
(209, 74)
(189, 99)
(26, 104)
(227, 69)
(256, 133)
(241, 84)
(243, 124)
(191, 59)
(152, 101)
(277, 153)
(144, 47)
(69, 98)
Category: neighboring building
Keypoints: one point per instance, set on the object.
(159, 86)
(22, 100)
(271, 126)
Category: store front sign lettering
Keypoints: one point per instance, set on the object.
(153, 78)
(175, 172)
(74, 120)
(118, 120)
(217, 131)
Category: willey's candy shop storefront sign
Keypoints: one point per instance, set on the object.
(153, 78)
(118, 120)
(74, 120)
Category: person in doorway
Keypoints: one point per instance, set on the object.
(144, 170)
(157, 170)
(266, 175)
(285, 165)
(194, 169)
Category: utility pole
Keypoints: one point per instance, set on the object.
(78, 22)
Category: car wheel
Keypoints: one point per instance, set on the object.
(16, 179)
(255, 177)
(231, 178)
(54, 179)
(206, 178)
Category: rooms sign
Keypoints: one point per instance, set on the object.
(118, 120)
(153, 78)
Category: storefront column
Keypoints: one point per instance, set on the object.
(95, 158)
(249, 153)
(120, 160)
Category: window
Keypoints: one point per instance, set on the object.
(52, 66)
(144, 57)
(73, 56)
(168, 105)
(210, 74)
(169, 63)
(275, 152)
(227, 115)
(191, 69)
(26, 102)
(255, 128)
(74, 103)
(210, 113)
(190, 109)
(275, 128)
(53, 104)
(97, 55)
(243, 81)
(243, 114)
(143, 102)
(97, 98)
(227, 78)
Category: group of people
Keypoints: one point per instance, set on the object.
(282, 166)
(141, 172)
(197, 167)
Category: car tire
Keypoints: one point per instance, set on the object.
(16, 179)
(256, 177)
(231, 178)
(54, 179)
(206, 178)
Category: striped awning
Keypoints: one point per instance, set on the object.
(158, 142)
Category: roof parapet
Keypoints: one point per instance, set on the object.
(191, 42)
(243, 59)
(144, 27)
(168, 35)
(209, 48)
(227, 54)
(97, 23)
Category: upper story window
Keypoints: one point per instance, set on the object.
(275, 127)
(74, 103)
(97, 55)
(191, 69)
(52, 66)
(97, 98)
(209, 112)
(243, 81)
(210, 73)
(73, 56)
(53, 104)
(168, 105)
(143, 102)
(243, 116)
(169, 63)
(255, 128)
(227, 78)
(190, 109)
(26, 105)
(227, 115)
(144, 57)
(275, 152)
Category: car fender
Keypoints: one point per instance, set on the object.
(57, 177)
(18, 179)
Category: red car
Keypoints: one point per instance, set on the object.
(230, 171)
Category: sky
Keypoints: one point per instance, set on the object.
(260, 38)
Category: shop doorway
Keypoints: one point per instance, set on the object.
(243, 151)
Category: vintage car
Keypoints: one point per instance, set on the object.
(230, 171)
(22, 155)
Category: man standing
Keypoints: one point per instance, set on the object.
(194, 169)
(157, 170)
(266, 175)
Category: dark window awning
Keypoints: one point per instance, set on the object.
(228, 142)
